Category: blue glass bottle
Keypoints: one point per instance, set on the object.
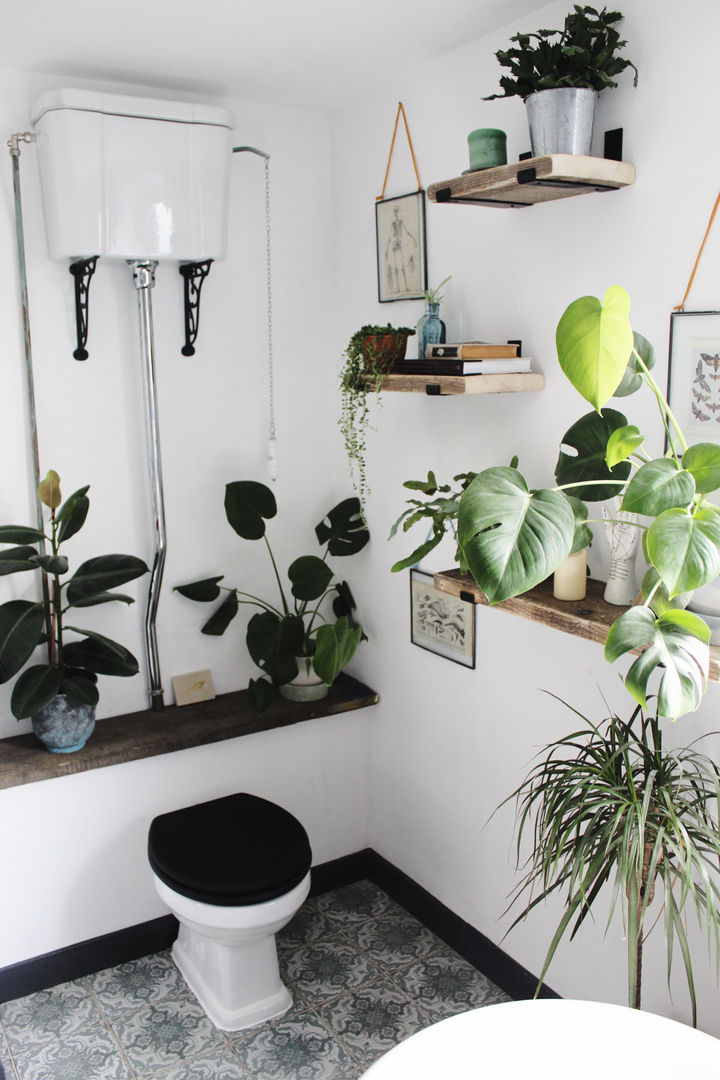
(430, 329)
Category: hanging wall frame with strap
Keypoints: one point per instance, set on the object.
(400, 234)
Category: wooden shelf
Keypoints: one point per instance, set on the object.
(535, 180)
(590, 618)
(148, 733)
(443, 385)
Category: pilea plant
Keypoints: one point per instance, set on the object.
(585, 53)
(295, 626)
(71, 667)
(369, 355)
(511, 538)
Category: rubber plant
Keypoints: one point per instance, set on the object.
(296, 625)
(71, 667)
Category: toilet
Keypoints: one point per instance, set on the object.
(233, 871)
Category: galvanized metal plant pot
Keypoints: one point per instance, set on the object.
(561, 120)
(63, 726)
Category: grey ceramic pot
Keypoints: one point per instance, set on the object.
(63, 726)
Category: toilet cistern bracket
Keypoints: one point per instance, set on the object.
(82, 270)
(193, 275)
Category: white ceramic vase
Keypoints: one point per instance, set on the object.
(622, 536)
(307, 685)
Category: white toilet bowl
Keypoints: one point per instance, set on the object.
(233, 871)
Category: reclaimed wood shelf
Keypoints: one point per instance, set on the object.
(137, 735)
(590, 618)
(444, 385)
(535, 180)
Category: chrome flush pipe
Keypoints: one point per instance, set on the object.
(144, 279)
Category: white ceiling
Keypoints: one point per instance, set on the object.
(309, 53)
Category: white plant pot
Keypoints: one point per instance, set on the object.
(307, 685)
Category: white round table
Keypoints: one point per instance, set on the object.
(552, 1039)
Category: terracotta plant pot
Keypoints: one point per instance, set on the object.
(385, 350)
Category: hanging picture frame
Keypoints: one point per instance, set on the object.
(693, 390)
(439, 622)
(401, 247)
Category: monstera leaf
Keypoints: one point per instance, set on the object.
(594, 343)
(703, 461)
(247, 504)
(589, 437)
(511, 538)
(335, 646)
(632, 379)
(273, 643)
(658, 486)
(344, 529)
(675, 645)
(684, 548)
(310, 577)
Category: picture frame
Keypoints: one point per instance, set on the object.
(441, 623)
(693, 388)
(401, 247)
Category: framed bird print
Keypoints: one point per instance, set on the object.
(694, 373)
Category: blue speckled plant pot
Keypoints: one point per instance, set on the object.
(63, 726)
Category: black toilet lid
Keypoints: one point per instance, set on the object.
(233, 851)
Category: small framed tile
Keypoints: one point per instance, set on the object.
(85, 1056)
(372, 1020)
(326, 969)
(42, 1017)
(158, 1036)
(150, 980)
(301, 1049)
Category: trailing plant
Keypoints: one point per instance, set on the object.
(511, 537)
(368, 357)
(585, 53)
(296, 625)
(434, 296)
(72, 667)
(607, 805)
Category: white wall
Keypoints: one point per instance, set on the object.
(454, 743)
(73, 850)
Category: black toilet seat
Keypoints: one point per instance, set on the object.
(234, 851)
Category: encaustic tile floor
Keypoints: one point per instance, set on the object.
(364, 974)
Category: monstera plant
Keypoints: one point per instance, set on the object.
(298, 625)
(510, 538)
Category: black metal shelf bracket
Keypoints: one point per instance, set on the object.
(443, 195)
(82, 270)
(193, 275)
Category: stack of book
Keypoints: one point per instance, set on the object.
(467, 358)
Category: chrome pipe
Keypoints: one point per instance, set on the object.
(144, 280)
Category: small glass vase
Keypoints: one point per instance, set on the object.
(430, 329)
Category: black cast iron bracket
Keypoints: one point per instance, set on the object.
(193, 275)
(82, 271)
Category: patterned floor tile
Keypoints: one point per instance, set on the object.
(158, 1036)
(88, 1056)
(446, 984)
(152, 979)
(39, 1018)
(354, 903)
(308, 926)
(372, 1020)
(328, 968)
(300, 1049)
(394, 939)
(220, 1065)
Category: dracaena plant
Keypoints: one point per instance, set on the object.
(511, 537)
(72, 666)
(299, 622)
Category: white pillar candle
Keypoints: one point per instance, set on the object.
(570, 578)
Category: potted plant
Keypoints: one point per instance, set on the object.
(60, 695)
(299, 647)
(559, 73)
(371, 353)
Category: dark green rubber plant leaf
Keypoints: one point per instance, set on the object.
(221, 618)
(35, 688)
(72, 514)
(204, 591)
(104, 598)
(273, 644)
(309, 577)
(99, 654)
(658, 486)
(675, 645)
(583, 535)
(260, 694)
(51, 564)
(336, 644)
(587, 467)
(512, 539)
(21, 628)
(80, 689)
(632, 379)
(103, 573)
(685, 548)
(703, 461)
(344, 529)
(594, 342)
(19, 534)
(622, 443)
(247, 505)
(16, 559)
